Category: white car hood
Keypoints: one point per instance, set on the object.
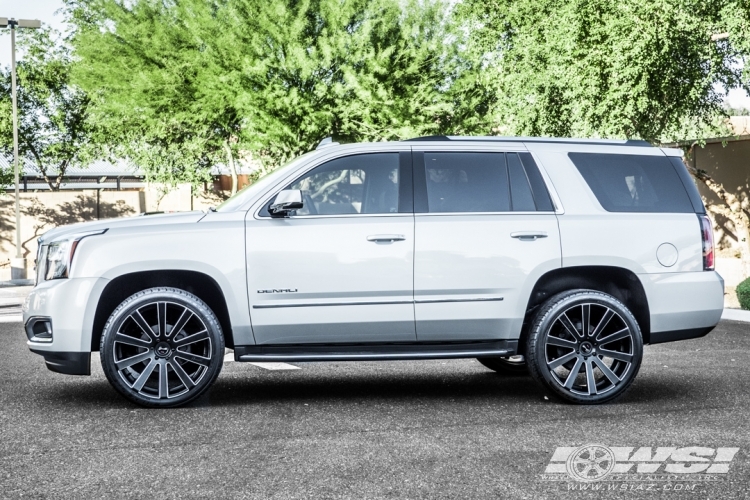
(138, 220)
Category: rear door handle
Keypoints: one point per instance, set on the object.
(386, 237)
(528, 235)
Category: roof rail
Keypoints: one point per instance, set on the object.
(559, 140)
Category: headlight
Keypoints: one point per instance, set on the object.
(56, 256)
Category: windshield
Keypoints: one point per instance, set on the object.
(248, 192)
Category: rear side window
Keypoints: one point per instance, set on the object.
(633, 183)
(480, 182)
(467, 182)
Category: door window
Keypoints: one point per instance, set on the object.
(358, 184)
(483, 182)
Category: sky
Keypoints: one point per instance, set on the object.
(44, 10)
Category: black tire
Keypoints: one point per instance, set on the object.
(162, 331)
(506, 366)
(591, 357)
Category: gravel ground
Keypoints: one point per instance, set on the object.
(428, 429)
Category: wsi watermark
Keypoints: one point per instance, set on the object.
(601, 468)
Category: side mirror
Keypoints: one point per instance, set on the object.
(286, 201)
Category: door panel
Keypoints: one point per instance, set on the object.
(323, 281)
(471, 276)
(341, 269)
(485, 232)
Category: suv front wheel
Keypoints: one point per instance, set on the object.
(162, 347)
(585, 346)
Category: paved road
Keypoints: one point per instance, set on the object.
(432, 429)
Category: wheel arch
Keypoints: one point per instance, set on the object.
(621, 283)
(199, 284)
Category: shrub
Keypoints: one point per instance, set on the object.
(743, 294)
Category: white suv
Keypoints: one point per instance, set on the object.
(557, 257)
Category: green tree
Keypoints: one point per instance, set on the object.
(222, 79)
(53, 125)
(144, 64)
(596, 68)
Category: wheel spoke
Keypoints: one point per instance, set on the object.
(603, 323)
(562, 360)
(163, 382)
(606, 371)
(569, 326)
(618, 335)
(585, 319)
(161, 312)
(127, 339)
(191, 339)
(182, 374)
(144, 325)
(557, 341)
(590, 381)
(192, 357)
(573, 373)
(184, 318)
(145, 374)
(134, 359)
(621, 356)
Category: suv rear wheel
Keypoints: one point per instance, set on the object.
(585, 346)
(162, 347)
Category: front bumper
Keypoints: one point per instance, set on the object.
(69, 363)
(70, 305)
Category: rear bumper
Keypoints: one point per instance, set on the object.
(671, 336)
(683, 305)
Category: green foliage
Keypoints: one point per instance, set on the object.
(7, 177)
(743, 294)
(52, 114)
(597, 68)
(270, 79)
(738, 111)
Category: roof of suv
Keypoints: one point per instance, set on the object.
(492, 138)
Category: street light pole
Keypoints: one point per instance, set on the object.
(18, 267)
(14, 98)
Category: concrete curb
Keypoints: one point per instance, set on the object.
(736, 315)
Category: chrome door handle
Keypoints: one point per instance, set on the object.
(386, 237)
(528, 235)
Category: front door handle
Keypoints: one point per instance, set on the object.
(386, 237)
(528, 235)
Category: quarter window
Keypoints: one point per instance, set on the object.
(633, 183)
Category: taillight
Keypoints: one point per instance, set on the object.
(707, 235)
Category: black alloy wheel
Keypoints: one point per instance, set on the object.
(585, 347)
(162, 347)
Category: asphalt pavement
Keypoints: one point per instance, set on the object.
(405, 429)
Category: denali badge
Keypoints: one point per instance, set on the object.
(279, 290)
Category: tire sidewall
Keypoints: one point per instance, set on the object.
(540, 331)
(140, 299)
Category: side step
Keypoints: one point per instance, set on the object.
(374, 352)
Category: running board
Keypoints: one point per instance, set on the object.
(374, 352)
